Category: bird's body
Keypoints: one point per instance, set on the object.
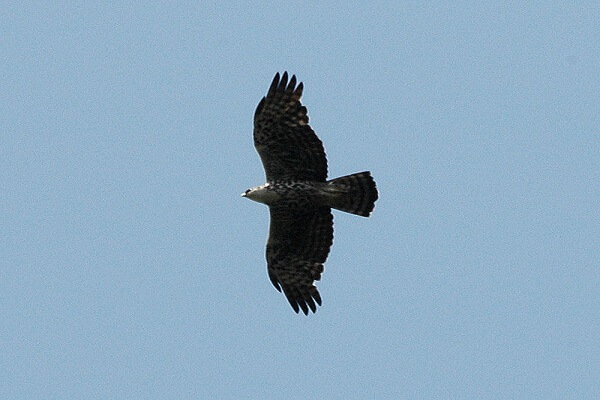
(289, 193)
(299, 195)
(302, 194)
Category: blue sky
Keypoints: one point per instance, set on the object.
(131, 267)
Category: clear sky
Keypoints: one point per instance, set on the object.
(131, 268)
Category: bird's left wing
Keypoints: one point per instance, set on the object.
(298, 245)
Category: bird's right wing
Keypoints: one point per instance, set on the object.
(287, 145)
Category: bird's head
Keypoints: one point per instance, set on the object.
(262, 194)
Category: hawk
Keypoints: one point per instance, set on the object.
(299, 196)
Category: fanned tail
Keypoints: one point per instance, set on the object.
(355, 194)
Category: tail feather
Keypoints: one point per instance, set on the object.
(354, 193)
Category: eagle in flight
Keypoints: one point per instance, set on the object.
(299, 196)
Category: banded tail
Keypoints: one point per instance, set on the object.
(355, 194)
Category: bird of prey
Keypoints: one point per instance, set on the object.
(299, 196)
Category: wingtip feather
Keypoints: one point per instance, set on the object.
(283, 82)
(274, 84)
(299, 89)
(317, 297)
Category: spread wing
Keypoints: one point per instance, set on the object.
(298, 245)
(287, 145)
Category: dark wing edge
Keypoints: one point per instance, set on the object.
(287, 145)
(298, 247)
